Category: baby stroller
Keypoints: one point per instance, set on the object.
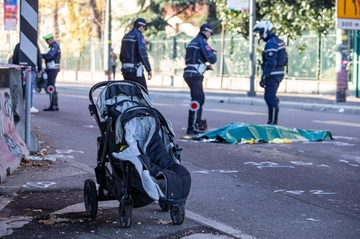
(137, 160)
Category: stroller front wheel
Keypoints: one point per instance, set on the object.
(125, 211)
(90, 198)
(177, 214)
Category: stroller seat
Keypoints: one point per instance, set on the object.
(138, 128)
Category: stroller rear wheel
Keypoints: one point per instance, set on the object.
(90, 198)
(177, 214)
(125, 211)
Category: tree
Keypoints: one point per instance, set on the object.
(290, 17)
(154, 12)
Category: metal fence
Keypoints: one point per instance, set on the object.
(310, 57)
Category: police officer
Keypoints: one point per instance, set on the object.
(133, 55)
(198, 58)
(52, 62)
(274, 59)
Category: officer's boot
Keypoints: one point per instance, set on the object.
(200, 125)
(203, 125)
(272, 116)
(56, 105)
(191, 123)
(51, 107)
(276, 115)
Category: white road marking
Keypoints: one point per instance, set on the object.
(215, 170)
(336, 122)
(79, 207)
(7, 224)
(217, 225)
(301, 163)
(38, 184)
(160, 104)
(267, 165)
(301, 192)
(236, 112)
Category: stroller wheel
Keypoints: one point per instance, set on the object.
(177, 214)
(164, 207)
(90, 198)
(125, 211)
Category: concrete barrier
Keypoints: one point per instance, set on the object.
(12, 146)
(11, 78)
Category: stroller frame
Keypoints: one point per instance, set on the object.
(108, 180)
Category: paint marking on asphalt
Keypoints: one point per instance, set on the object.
(241, 112)
(79, 207)
(217, 225)
(4, 202)
(77, 96)
(336, 122)
(160, 104)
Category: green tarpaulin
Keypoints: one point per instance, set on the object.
(238, 132)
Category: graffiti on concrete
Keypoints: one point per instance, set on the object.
(8, 127)
(7, 105)
(13, 146)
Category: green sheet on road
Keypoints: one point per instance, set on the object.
(238, 132)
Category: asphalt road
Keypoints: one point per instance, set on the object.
(296, 190)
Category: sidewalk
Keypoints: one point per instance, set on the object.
(296, 101)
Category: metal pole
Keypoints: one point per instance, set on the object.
(27, 105)
(109, 42)
(341, 58)
(252, 18)
(222, 54)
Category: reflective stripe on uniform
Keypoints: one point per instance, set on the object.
(277, 73)
(193, 65)
(271, 49)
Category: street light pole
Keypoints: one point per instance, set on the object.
(252, 18)
(109, 42)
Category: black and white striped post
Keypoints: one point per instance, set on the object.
(28, 53)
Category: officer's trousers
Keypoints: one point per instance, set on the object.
(52, 74)
(272, 85)
(196, 89)
(132, 77)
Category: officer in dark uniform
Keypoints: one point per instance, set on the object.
(197, 58)
(52, 61)
(274, 59)
(133, 55)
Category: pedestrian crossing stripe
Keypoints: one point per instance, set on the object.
(336, 122)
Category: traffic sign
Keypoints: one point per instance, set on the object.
(348, 9)
(348, 14)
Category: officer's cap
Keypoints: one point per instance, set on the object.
(48, 36)
(206, 27)
(140, 22)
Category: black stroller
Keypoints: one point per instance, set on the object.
(137, 160)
